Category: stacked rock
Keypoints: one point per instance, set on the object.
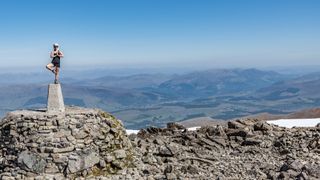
(78, 143)
(91, 144)
(241, 149)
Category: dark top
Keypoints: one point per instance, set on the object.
(56, 61)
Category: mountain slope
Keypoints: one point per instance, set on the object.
(307, 86)
(128, 82)
(219, 82)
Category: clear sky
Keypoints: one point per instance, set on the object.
(215, 33)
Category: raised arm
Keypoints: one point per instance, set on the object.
(52, 54)
(60, 54)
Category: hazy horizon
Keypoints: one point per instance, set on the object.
(131, 70)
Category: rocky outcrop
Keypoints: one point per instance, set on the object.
(91, 144)
(78, 143)
(245, 149)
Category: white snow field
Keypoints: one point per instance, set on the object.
(289, 123)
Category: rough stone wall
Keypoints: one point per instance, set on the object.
(79, 143)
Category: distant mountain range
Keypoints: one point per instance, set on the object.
(154, 99)
(202, 84)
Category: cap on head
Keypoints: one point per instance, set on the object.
(55, 45)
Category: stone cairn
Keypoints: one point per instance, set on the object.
(62, 143)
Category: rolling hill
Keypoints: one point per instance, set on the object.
(154, 99)
(219, 82)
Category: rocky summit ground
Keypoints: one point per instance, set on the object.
(245, 149)
(91, 144)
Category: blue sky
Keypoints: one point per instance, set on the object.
(152, 33)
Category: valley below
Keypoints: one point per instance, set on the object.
(154, 99)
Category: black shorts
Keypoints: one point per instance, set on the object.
(56, 62)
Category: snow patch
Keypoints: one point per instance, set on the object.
(194, 128)
(132, 131)
(289, 123)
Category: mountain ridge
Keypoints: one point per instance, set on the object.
(140, 103)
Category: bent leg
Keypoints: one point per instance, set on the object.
(50, 66)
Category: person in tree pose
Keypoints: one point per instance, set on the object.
(54, 66)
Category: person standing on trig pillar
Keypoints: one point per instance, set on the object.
(54, 66)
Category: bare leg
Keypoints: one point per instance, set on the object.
(56, 74)
(50, 67)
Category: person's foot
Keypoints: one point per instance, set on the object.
(53, 71)
(56, 81)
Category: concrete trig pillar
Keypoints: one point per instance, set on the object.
(55, 102)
